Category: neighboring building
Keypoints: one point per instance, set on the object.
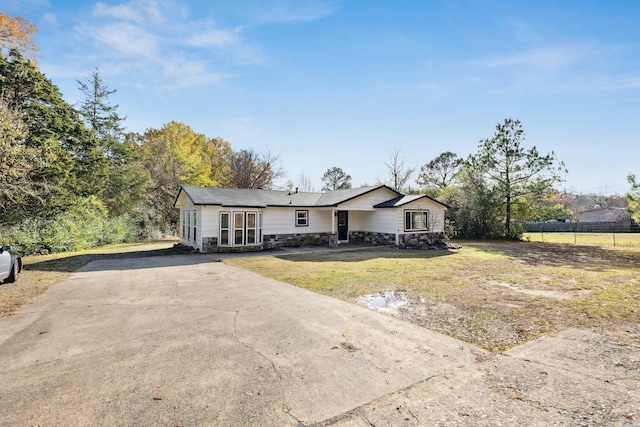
(224, 219)
(602, 220)
(604, 215)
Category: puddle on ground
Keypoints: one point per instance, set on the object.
(389, 302)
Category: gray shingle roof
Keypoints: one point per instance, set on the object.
(255, 198)
(403, 200)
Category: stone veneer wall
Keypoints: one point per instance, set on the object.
(210, 245)
(406, 241)
(372, 238)
(278, 240)
(422, 241)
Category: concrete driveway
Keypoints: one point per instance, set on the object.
(183, 341)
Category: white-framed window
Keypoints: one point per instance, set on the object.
(251, 227)
(188, 214)
(225, 226)
(184, 223)
(416, 220)
(302, 218)
(240, 228)
(195, 233)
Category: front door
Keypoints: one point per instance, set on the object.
(343, 225)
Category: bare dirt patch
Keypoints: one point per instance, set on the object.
(557, 294)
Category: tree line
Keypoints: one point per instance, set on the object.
(71, 176)
(497, 191)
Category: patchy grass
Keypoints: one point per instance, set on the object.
(493, 294)
(40, 272)
(628, 240)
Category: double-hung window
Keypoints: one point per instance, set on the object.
(184, 223)
(302, 218)
(225, 222)
(195, 226)
(188, 225)
(416, 220)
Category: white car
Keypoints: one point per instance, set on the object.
(10, 264)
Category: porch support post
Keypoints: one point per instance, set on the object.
(333, 221)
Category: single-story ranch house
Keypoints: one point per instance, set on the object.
(225, 219)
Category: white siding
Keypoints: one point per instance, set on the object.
(184, 203)
(209, 221)
(436, 214)
(355, 220)
(382, 220)
(283, 221)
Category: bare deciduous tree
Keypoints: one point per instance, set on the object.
(249, 169)
(399, 172)
(304, 183)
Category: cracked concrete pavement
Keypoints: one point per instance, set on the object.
(183, 341)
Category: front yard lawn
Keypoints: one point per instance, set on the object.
(492, 294)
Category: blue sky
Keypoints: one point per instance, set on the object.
(344, 83)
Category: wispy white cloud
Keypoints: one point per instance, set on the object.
(215, 37)
(548, 57)
(294, 11)
(50, 18)
(126, 39)
(140, 11)
(18, 7)
(162, 45)
(563, 67)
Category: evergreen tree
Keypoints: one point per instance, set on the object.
(126, 179)
(335, 179)
(52, 131)
(512, 171)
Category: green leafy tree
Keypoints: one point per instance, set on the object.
(474, 208)
(634, 198)
(335, 179)
(440, 172)
(218, 154)
(175, 155)
(540, 208)
(512, 171)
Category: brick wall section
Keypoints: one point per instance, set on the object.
(422, 241)
(372, 238)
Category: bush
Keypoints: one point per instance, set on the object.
(85, 225)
